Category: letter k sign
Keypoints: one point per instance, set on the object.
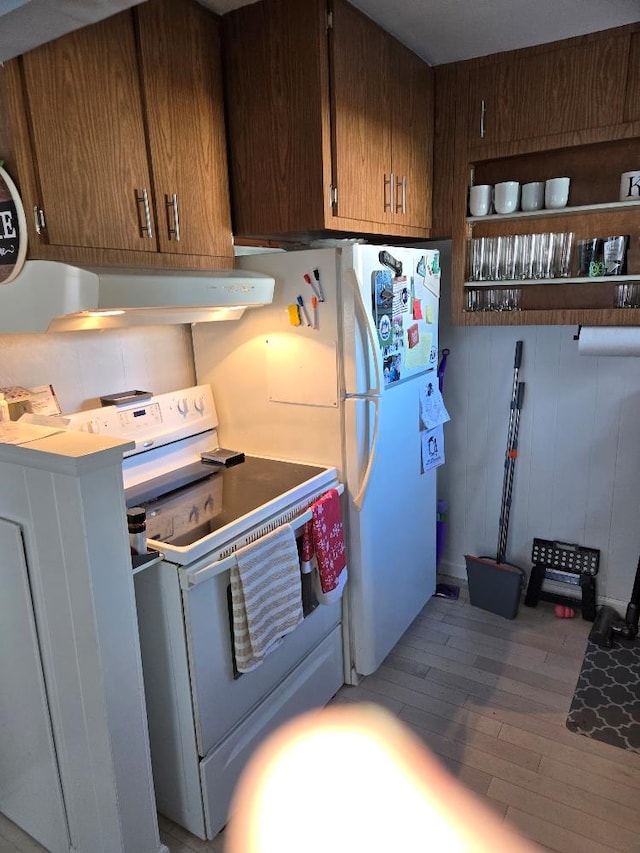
(633, 190)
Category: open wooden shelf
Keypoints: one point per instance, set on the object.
(520, 282)
(556, 211)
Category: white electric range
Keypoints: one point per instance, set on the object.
(204, 718)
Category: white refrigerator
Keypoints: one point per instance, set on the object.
(341, 381)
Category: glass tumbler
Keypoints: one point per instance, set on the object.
(524, 257)
(563, 251)
(542, 247)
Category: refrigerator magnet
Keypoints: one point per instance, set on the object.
(294, 314)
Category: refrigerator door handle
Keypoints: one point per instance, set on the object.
(364, 483)
(367, 321)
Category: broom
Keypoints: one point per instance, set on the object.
(494, 584)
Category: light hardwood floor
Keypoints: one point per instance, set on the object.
(490, 697)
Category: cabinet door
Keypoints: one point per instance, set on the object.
(411, 116)
(182, 84)
(361, 116)
(85, 109)
(632, 99)
(31, 792)
(561, 90)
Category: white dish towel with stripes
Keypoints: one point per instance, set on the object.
(266, 593)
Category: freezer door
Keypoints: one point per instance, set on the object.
(400, 288)
(392, 563)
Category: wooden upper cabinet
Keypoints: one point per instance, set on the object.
(632, 94)
(326, 112)
(119, 138)
(556, 89)
(87, 127)
(182, 86)
(277, 99)
(411, 111)
(362, 119)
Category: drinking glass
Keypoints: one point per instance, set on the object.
(478, 259)
(562, 254)
(511, 245)
(542, 246)
(524, 258)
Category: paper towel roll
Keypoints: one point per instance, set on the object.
(609, 340)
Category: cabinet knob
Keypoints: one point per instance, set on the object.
(171, 205)
(145, 224)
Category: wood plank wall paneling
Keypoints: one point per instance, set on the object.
(577, 476)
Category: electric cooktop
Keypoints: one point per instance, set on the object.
(186, 505)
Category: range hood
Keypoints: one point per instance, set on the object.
(56, 297)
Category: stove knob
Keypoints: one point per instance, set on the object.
(90, 426)
(194, 515)
(199, 404)
(183, 406)
(208, 504)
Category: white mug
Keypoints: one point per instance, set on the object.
(556, 193)
(630, 186)
(532, 196)
(480, 199)
(506, 196)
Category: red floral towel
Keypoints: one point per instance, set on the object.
(328, 539)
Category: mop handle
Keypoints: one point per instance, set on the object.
(502, 533)
(510, 462)
(517, 361)
(518, 357)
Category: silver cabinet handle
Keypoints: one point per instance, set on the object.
(401, 186)
(391, 183)
(145, 229)
(171, 203)
(38, 216)
(483, 113)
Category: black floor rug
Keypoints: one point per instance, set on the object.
(606, 702)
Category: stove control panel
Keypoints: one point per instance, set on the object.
(163, 419)
(176, 515)
(140, 417)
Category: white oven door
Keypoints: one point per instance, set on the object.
(222, 698)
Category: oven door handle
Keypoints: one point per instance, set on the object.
(190, 579)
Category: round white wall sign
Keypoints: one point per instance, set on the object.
(13, 230)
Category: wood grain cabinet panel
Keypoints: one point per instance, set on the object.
(326, 112)
(632, 94)
(119, 137)
(362, 123)
(562, 88)
(87, 125)
(276, 82)
(411, 110)
(182, 85)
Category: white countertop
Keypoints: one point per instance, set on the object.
(67, 451)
